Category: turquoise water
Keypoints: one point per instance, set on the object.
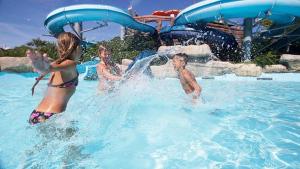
(151, 124)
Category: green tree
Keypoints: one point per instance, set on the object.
(269, 58)
(128, 48)
(91, 52)
(15, 52)
(44, 47)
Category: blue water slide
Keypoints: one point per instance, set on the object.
(279, 11)
(60, 17)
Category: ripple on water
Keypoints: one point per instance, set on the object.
(151, 124)
(250, 123)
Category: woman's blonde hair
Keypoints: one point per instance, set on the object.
(66, 44)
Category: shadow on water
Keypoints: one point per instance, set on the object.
(1, 164)
(56, 147)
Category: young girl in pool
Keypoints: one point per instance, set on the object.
(63, 79)
(108, 72)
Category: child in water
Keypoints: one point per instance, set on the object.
(63, 79)
(108, 72)
(187, 79)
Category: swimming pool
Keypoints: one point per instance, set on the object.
(150, 123)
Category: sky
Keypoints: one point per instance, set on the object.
(23, 20)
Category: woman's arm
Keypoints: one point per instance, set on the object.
(54, 67)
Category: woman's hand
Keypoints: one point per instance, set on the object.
(40, 63)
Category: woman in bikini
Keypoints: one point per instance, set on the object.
(63, 79)
(108, 72)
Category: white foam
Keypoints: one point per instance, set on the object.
(281, 77)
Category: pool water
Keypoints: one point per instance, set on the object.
(151, 124)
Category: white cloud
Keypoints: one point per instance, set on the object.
(12, 29)
(17, 34)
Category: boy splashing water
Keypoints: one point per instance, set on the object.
(187, 79)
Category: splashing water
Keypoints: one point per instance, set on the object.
(146, 124)
(223, 45)
(150, 123)
(140, 66)
(134, 3)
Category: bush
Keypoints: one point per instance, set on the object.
(130, 47)
(261, 57)
(90, 52)
(15, 52)
(44, 47)
(270, 58)
(38, 44)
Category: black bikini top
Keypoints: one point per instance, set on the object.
(68, 84)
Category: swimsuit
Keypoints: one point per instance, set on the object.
(68, 84)
(38, 116)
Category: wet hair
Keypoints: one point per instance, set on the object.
(66, 44)
(182, 55)
(102, 48)
(106, 60)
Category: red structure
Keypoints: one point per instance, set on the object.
(158, 17)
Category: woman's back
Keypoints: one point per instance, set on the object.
(61, 87)
(63, 79)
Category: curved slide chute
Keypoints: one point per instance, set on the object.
(58, 18)
(281, 12)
